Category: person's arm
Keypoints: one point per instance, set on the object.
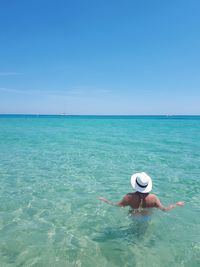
(170, 207)
(124, 202)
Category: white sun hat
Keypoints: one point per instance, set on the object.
(141, 182)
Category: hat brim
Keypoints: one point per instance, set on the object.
(137, 187)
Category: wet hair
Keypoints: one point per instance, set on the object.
(143, 195)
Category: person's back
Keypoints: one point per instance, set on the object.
(139, 200)
(142, 199)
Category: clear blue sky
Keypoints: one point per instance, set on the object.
(100, 57)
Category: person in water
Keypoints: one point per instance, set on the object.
(142, 199)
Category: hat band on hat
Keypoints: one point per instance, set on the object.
(143, 186)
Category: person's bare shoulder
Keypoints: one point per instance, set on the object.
(129, 196)
(152, 200)
(152, 196)
(127, 199)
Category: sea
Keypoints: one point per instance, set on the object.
(54, 168)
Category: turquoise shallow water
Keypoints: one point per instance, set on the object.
(53, 168)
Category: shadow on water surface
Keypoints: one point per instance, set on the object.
(131, 233)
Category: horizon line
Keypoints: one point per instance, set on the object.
(68, 115)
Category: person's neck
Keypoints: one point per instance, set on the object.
(142, 195)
